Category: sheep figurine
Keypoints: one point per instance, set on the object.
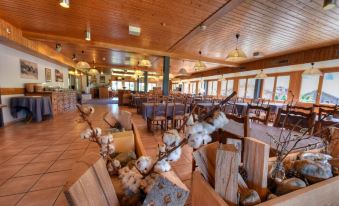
(144, 164)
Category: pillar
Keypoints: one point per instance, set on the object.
(165, 80)
(138, 81)
(145, 81)
(257, 88)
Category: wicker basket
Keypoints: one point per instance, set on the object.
(38, 88)
(29, 87)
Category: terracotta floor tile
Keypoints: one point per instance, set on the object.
(20, 159)
(47, 157)
(18, 185)
(10, 200)
(34, 169)
(60, 165)
(34, 150)
(8, 171)
(57, 148)
(50, 180)
(40, 197)
(72, 154)
(61, 201)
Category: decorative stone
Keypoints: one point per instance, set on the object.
(318, 157)
(313, 171)
(289, 185)
(250, 197)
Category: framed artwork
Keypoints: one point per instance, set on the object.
(48, 75)
(59, 76)
(28, 70)
(102, 79)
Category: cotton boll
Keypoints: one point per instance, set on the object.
(123, 171)
(206, 139)
(86, 134)
(219, 120)
(208, 128)
(175, 155)
(97, 131)
(106, 139)
(162, 148)
(171, 138)
(195, 140)
(144, 163)
(162, 166)
(191, 119)
(107, 148)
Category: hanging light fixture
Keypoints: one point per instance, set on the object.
(221, 78)
(82, 65)
(312, 71)
(64, 3)
(145, 62)
(261, 75)
(138, 73)
(182, 73)
(329, 4)
(87, 35)
(199, 65)
(237, 54)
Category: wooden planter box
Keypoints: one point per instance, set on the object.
(319, 194)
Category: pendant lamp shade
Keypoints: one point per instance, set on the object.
(82, 65)
(199, 65)
(261, 75)
(93, 72)
(145, 63)
(64, 3)
(312, 71)
(237, 54)
(183, 72)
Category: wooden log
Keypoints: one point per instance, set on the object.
(256, 156)
(226, 173)
(242, 186)
(205, 158)
(333, 148)
(168, 190)
(89, 183)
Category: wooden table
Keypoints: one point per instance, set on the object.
(260, 132)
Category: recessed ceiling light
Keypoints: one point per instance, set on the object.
(329, 4)
(64, 3)
(87, 35)
(163, 24)
(134, 30)
(103, 59)
(203, 27)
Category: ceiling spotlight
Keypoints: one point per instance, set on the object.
(329, 4)
(58, 47)
(64, 3)
(134, 30)
(87, 35)
(203, 27)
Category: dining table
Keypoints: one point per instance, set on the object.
(265, 133)
(241, 107)
(147, 109)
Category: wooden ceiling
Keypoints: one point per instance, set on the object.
(171, 27)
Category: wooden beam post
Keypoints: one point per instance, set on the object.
(165, 79)
(145, 81)
(256, 156)
(226, 173)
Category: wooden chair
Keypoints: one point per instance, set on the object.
(159, 115)
(258, 113)
(178, 117)
(90, 184)
(293, 115)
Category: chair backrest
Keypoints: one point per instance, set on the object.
(160, 109)
(260, 113)
(90, 184)
(295, 108)
(326, 110)
(295, 119)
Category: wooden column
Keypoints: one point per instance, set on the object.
(145, 81)
(165, 80)
(137, 87)
(257, 87)
(256, 155)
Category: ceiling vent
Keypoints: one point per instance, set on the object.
(258, 54)
(134, 30)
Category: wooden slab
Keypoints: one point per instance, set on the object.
(226, 173)
(256, 156)
(334, 146)
(205, 158)
(89, 183)
(203, 194)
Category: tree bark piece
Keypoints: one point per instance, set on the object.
(205, 158)
(256, 156)
(226, 173)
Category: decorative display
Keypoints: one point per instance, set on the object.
(59, 76)
(28, 70)
(48, 75)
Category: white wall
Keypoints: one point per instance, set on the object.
(10, 74)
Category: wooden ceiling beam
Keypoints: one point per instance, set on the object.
(222, 11)
(112, 66)
(96, 44)
(12, 37)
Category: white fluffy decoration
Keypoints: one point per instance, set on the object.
(198, 134)
(106, 139)
(110, 148)
(175, 155)
(171, 138)
(219, 120)
(162, 166)
(86, 134)
(147, 183)
(208, 127)
(162, 148)
(97, 130)
(144, 163)
(88, 109)
(195, 140)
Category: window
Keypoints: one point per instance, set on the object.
(175, 86)
(141, 87)
(116, 85)
(185, 87)
(309, 89)
(150, 86)
(230, 84)
(268, 88)
(250, 88)
(242, 88)
(193, 88)
(212, 88)
(281, 90)
(226, 87)
(129, 86)
(330, 91)
(201, 87)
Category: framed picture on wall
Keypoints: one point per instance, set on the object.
(48, 74)
(102, 79)
(28, 70)
(59, 76)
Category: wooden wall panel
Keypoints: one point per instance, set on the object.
(11, 91)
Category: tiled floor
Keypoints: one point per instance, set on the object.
(36, 158)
